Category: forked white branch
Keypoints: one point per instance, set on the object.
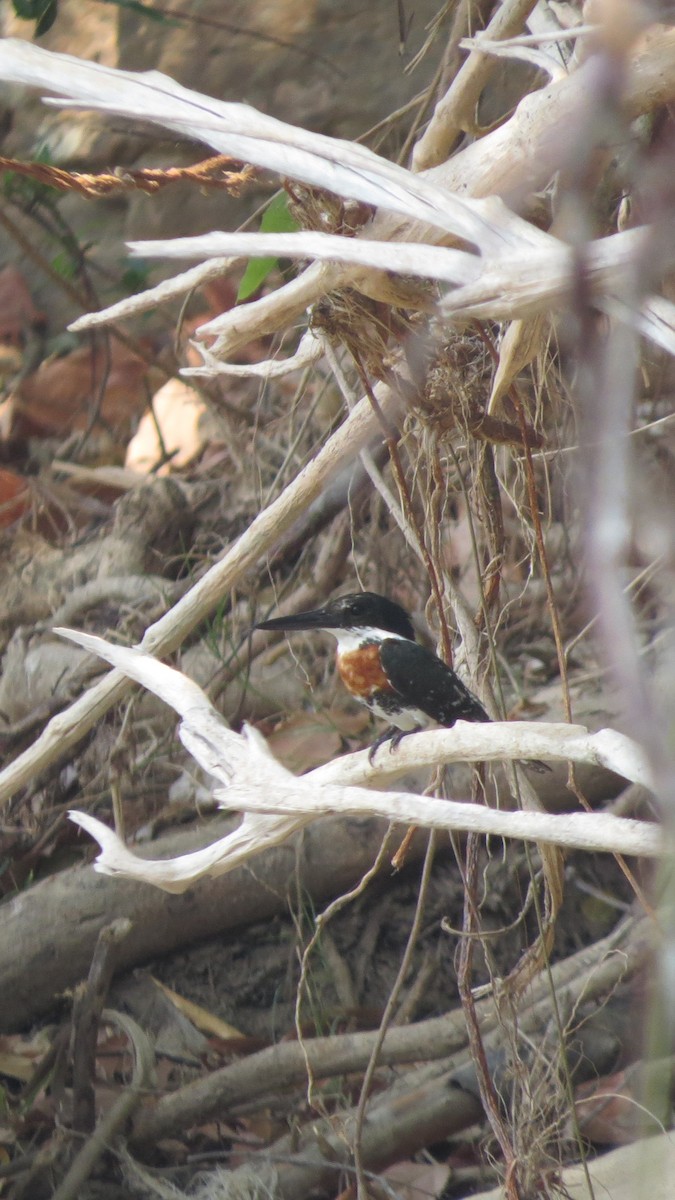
(511, 270)
(518, 282)
(277, 803)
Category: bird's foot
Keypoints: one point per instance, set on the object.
(393, 735)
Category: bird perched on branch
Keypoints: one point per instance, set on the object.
(383, 666)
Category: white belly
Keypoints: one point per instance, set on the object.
(412, 718)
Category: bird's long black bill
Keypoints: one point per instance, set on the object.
(318, 619)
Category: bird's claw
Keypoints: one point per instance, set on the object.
(392, 735)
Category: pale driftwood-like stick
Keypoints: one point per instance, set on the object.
(513, 150)
(161, 293)
(57, 922)
(517, 158)
(308, 352)
(504, 286)
(455, 111)
(520, 156)
(440, 262)
(343, 167)
(646, 1167)
(581, 831)
(277, 803)
(276, 310)
(66, 730)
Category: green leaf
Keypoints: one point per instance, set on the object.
(144, 10)
(45, 22)
(63, 265)
(27, 10)
(275, 219)
(41, 11)
(135, 276)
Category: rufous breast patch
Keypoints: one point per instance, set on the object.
(361, 671)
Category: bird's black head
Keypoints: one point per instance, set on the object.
(356, 610)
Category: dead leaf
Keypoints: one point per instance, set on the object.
(14, 497)
(18, 314)
(201, 1018)
(186, 425)
(611, 1111)
(61, 395)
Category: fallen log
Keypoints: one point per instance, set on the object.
(48, 932)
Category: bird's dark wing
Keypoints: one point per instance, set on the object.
(423, 681)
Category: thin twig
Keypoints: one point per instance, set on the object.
(117, 1116)
(390, 1006)
(87, 1011)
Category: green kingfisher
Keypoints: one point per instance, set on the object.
(383, 666)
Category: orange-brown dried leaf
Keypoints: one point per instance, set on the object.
(62, 394)
(186, 423)
(14, 497)
(611, 1111)
(18, 314)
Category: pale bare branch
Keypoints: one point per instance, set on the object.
(66, 729)
(456, 110)
(277, 803)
